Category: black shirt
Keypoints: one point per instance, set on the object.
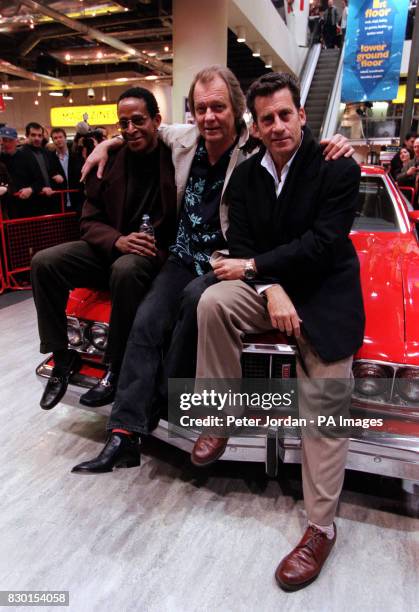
(199, 233)
(143, 187)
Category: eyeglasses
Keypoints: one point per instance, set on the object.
(137, 121)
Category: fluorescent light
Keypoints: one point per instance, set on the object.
(121, 79)
(8, 97)
(241, 34)
(151, 77)
(56, 94)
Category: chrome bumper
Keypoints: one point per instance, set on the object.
(385, 455)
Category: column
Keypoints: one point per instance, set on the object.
(199, 40)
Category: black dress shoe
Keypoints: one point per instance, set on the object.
(103, 392)
(58, 382)
(119, 451)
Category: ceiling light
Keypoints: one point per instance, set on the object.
(241, 34)
(5, 86)
(67, 57)
(126, 9)
(56, 94)
(268, 61)
(70, 100)
(91, 93)
(121, 79)
(152, 54)
(99, 55)
(166, 48)
(36, 102)
(151, 77)
(8, 97)
(132, 52)
(256, 51)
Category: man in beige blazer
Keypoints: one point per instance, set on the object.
(204, 156)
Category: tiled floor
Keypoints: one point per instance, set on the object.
(166, 536)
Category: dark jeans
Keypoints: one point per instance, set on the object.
(56, 270)
(170, 306)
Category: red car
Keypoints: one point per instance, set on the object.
(386, 368)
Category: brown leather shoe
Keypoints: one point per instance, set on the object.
(304, 563)
(207, 449)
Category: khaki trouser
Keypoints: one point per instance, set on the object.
(226, 312)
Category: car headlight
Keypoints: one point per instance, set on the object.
(74, 333)
(99, 336)
(370, 379)
(407, 383)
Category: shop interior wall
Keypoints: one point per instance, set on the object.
(22, 109)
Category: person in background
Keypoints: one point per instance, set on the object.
(344, 21)
(396, 163)
(8, 157)
(71, 165)
(38, 174)
(409, 175)
(330, 22)
(404, 155)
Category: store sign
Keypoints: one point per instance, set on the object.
(373, 51)
(69, 116)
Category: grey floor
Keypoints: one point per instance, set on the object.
(166, 536)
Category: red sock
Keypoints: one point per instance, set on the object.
(122, 431)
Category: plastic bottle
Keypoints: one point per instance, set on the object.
(146, 226)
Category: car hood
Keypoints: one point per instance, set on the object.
(389, 266)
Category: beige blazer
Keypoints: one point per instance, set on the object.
(183, 140)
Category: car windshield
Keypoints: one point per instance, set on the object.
(376, 210)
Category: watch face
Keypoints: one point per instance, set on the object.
(249, 274)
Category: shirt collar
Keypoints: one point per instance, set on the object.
(268, 163)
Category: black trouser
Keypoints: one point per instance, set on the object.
(329, 35)
(170, 305)
(76, 264)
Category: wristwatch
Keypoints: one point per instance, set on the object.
(249, 270)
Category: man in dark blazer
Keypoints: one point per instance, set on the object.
(38, 174)
(139, 179)
(292, 267)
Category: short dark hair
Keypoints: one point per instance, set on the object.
(58, 130)
(268, 84)
(142, 94)
(410, 135)
(32, 126)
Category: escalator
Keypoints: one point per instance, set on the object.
(322, 84)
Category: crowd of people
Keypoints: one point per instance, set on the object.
(404, 167)
(326, 24)
(32, 173)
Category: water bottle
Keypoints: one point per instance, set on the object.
(146, 226)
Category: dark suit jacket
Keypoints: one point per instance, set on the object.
(28, 173)
(102, 220)
(300, 241)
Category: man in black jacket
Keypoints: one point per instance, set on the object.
(112, 252)
(39, 173)
(290, 215)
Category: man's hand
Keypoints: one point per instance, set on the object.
(137, 243)
(58, 179)
(229, 269)
(3, 190)
(25, 193)
(99, 156)
(412, 171)
(338, 146)
(282, 312)
(46, 191)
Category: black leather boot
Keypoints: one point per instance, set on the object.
(103, 392)
(119, 451)
(58, 382)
